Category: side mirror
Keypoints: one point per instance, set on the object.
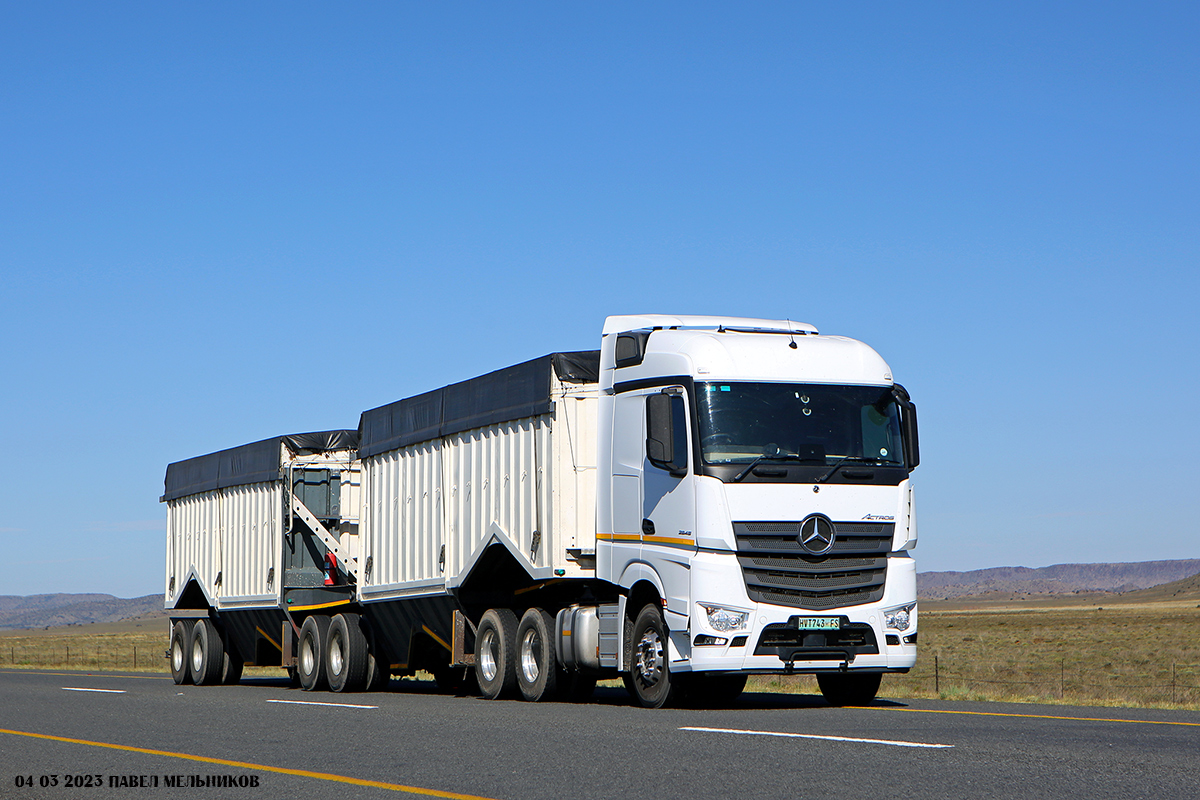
(666, 445)
(908, 426)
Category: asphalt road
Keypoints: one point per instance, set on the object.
(275, 743)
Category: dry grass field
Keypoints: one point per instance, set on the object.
(1135, 651)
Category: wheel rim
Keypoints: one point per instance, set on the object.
(649, 657)
(177, 656)
(335, 655)
(487, 655)
(197, 656)
(307, 658)
(531, 646)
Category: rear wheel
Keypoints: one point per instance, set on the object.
(207, 653)
(496, 653)
(310, 653)
(231, 666)
(650, 680)
(181, 639)
(346, 654)
(537, 664)
(849, 689)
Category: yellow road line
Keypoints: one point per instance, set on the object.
(322, 776)
(1038, 716)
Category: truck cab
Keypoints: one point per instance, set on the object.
(755, 484)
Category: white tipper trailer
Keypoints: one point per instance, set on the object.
(702, 499)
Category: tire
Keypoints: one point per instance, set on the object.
(207, 654)
(378, 675)
(180, 653)
(310, 653)
(650, 680)
(231, 666)
(537, 663)
(346, 654)
(496, 654)
(849, 689)
(715, 691)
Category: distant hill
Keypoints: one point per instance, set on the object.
(53, 610)
(1058, 579)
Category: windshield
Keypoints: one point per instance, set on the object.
(815, 424)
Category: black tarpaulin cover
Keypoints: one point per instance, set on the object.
(512, 393)
(248, 463)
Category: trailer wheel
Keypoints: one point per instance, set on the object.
(181, 638)
(346, 654)
(849, 689)
(310, 652)
(537, 663)
(207, 653)
(649, 677)
(496, 653)
(231, 666)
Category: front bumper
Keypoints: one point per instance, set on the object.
(774, 639)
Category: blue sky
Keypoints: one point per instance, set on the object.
(220, 223)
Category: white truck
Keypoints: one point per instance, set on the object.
(702, 499)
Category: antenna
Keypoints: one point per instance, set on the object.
(791, 335)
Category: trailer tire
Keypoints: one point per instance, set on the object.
(346, 654)
(310, 653)
(537, 662)
(378, 675)
(207, 653)
(849, 689)
(649, 679)
(179, 652)
(231, 668)
(496, 654)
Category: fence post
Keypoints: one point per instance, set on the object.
(1062, 679)
(1173, 665)
(937, 688)
(135, 658)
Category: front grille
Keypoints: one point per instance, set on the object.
(778, 570)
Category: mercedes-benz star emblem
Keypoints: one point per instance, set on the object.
(816, 534)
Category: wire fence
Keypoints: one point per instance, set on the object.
(141, 655)
(1059, 679)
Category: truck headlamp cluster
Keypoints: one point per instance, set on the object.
(724, 619)
(899, 618)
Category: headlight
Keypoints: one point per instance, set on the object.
(899, 618)
(724, 619)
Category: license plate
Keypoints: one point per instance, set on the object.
(818, 623)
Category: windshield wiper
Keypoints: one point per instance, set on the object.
(760, 459)
(844, 459)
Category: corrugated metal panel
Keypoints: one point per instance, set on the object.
(237, 533)
(530, 475)
(252, 540)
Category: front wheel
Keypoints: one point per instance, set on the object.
(849, 689)
(649, 678)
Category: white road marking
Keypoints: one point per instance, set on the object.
(311, 703)
(105, 691)
(891, 742)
